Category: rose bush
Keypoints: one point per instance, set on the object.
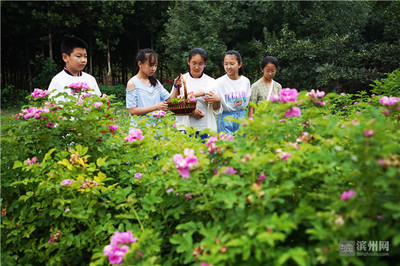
(285, 190)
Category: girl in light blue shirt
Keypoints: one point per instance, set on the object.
(144, 93)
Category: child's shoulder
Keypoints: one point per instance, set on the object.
(131, 84)
(278, 84)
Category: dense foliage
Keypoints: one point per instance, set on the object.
(339, 46)
(310, 170)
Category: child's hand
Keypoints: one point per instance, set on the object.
(162, 106)
(197, 114)
(212, 97)
(178, 82)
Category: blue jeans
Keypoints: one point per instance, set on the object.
(228, 126)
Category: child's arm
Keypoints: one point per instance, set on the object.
(213, 98)
(251, 111)
(144, 110)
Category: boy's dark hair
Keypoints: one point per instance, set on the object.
(198, 51)
(69, 44)
(238, 57)
(269, 59)
(145, 55)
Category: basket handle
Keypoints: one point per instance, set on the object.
(184, 87)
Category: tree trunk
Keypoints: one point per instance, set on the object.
(108, 60)
(90, 57)
(28, 66)
(50, 43)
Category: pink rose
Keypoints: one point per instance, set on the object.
(117, 255)
(229, 170)
(274, 98)
(38, 93)
(134, 135)
(294, 111)
(387, 101)
(113, 127)
(138, 175)
(347, 194)
(97, 104)
(289, 95)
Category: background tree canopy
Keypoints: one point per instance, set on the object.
(331, 46)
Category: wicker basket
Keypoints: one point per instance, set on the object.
(185, 107)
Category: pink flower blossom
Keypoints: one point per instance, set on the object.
(123, 237)
(31, 161)
(173, 125)
(387, 101)
(50, 124)
(347, 194)
(184, 164)
(285, 156)
(159, 113)
(246, 157)
(78, 87)
(51, 240)
(34, 112)
(192, 99)
(380, 217)
(229, 170)
(369, 133)
(170, 190)
(66, 182)
(107, 250)
(289, 95)
(67, 210)
(97, 104)
(274, 98)
(134, 135)
(87, 95)
(316, 96)
(294, 111)
(212, 145)
(262, 177)
(113, 127)
(188, 196)
(117, 255)
(38, 93)
(138, 175)
(386, 112)
(205, 264)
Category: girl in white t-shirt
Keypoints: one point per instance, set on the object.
(203, 87)
(234, 90)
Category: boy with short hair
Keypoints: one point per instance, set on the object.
(74, 55)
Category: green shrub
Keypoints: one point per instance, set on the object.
(119, 91)
(389, 86)
(48, 71)
(11, 97)
(276, 193)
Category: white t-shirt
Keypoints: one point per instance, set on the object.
(63, 79)
(207, 84)
(235, 94)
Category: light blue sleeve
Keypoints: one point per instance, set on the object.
(131, 99)
(164, 94)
